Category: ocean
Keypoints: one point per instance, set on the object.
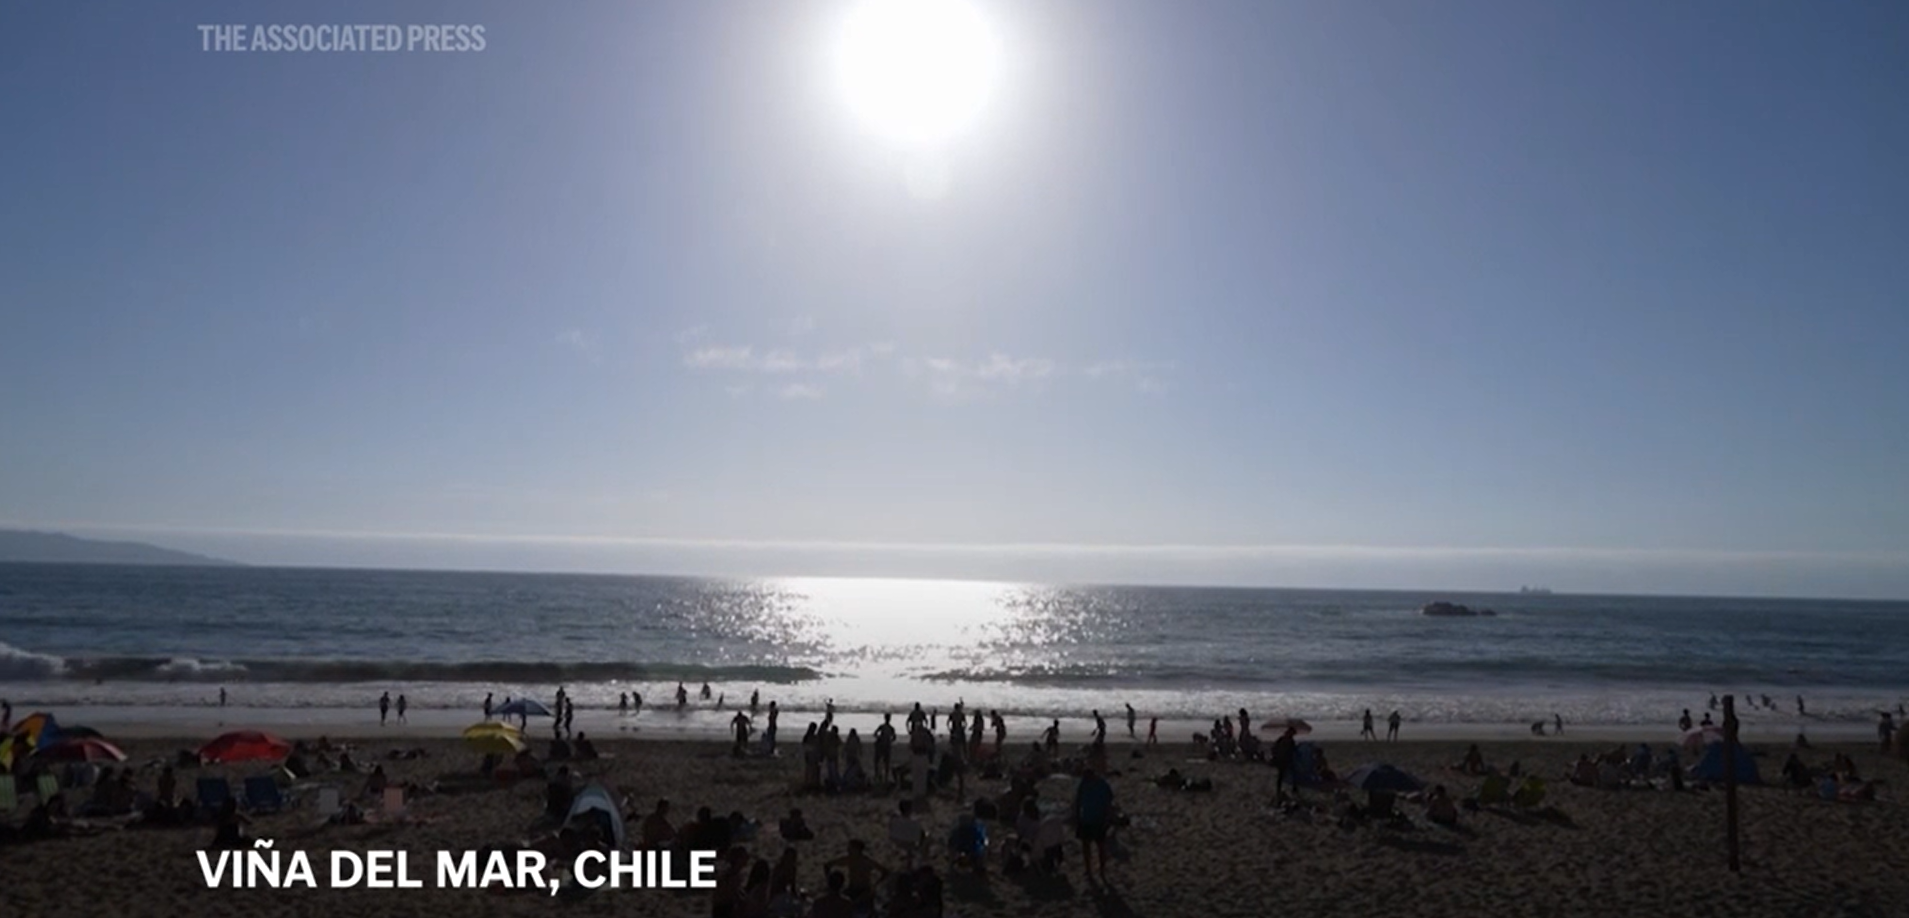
(300, 638)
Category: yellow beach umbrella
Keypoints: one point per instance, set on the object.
(492, 738)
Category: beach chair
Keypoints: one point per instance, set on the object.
(213, 793)
(48, 788)
(262, 794)
(329, 804)
(9, 795)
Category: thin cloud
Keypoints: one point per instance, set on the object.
(799, 392)
(579, 341)
(720, 358)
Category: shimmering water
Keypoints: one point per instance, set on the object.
(96, 635)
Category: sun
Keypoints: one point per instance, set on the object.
(917, 72)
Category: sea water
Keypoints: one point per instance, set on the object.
(298, 638)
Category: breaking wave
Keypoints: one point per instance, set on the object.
(22, 666)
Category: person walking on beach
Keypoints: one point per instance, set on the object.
(1100, 729)
(384, 707)
(1799, 707)
(623, 704)
(1093, 816)
(1132, 717)
(636, 703)
(222, 696)
(1366, 731)
(402, 705)
(1684, 723)
(974, 737)
(1153, 731)
(1051, 738)
(769, 734)
(755, 700)
(740, 724)
(1000, 731)
(569, 715)
(558, 707)
(487, 704)
(1392, 727)
(1558, 722)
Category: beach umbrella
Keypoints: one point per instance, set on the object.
(522, 707)
(1697, 738)
(492, 738)
(1299, 727)
(10, 746)
(35, 727)
(67, 733)
(245, 746)
(88, 749)
(1378, 776)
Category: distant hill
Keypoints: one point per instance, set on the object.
(23, 547)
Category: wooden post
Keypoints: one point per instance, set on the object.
(1730, 776)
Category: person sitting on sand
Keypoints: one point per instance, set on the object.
(1474, 761)
(375, 782)
(1795, 773)
(863, 872)
(655, 830)
(794, 827)
(1584, 772)
(784, 880)
(1439, 807)
(835, 903)
(586, 750)
(230, 831)
(559, 750)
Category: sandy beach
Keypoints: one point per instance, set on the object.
(1222, 853)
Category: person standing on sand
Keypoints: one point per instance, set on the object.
(487, 704)
(740, 724)
(623, 704)
(1153, 731)
(1093, 816)
(1284, 751)
(921, 748)
(1392, 727)
(755, 700)
(1051, 738)
(1000, 731)
(1100, 729)
(384, 707)
(884, 762)
(1366, 732)
(1799, 707)
(1886, 731)
(402, 705)
(1558, 721)
(1131, 718)
(682, 696)
(769, 734)
(1713, 701)
(222, 696)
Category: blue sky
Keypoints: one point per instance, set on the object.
(1608, 295)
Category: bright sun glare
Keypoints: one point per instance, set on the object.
(917, 71)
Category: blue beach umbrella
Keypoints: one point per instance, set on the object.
(522, 707)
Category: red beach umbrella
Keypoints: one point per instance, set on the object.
(245, 746)
(85, 749)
